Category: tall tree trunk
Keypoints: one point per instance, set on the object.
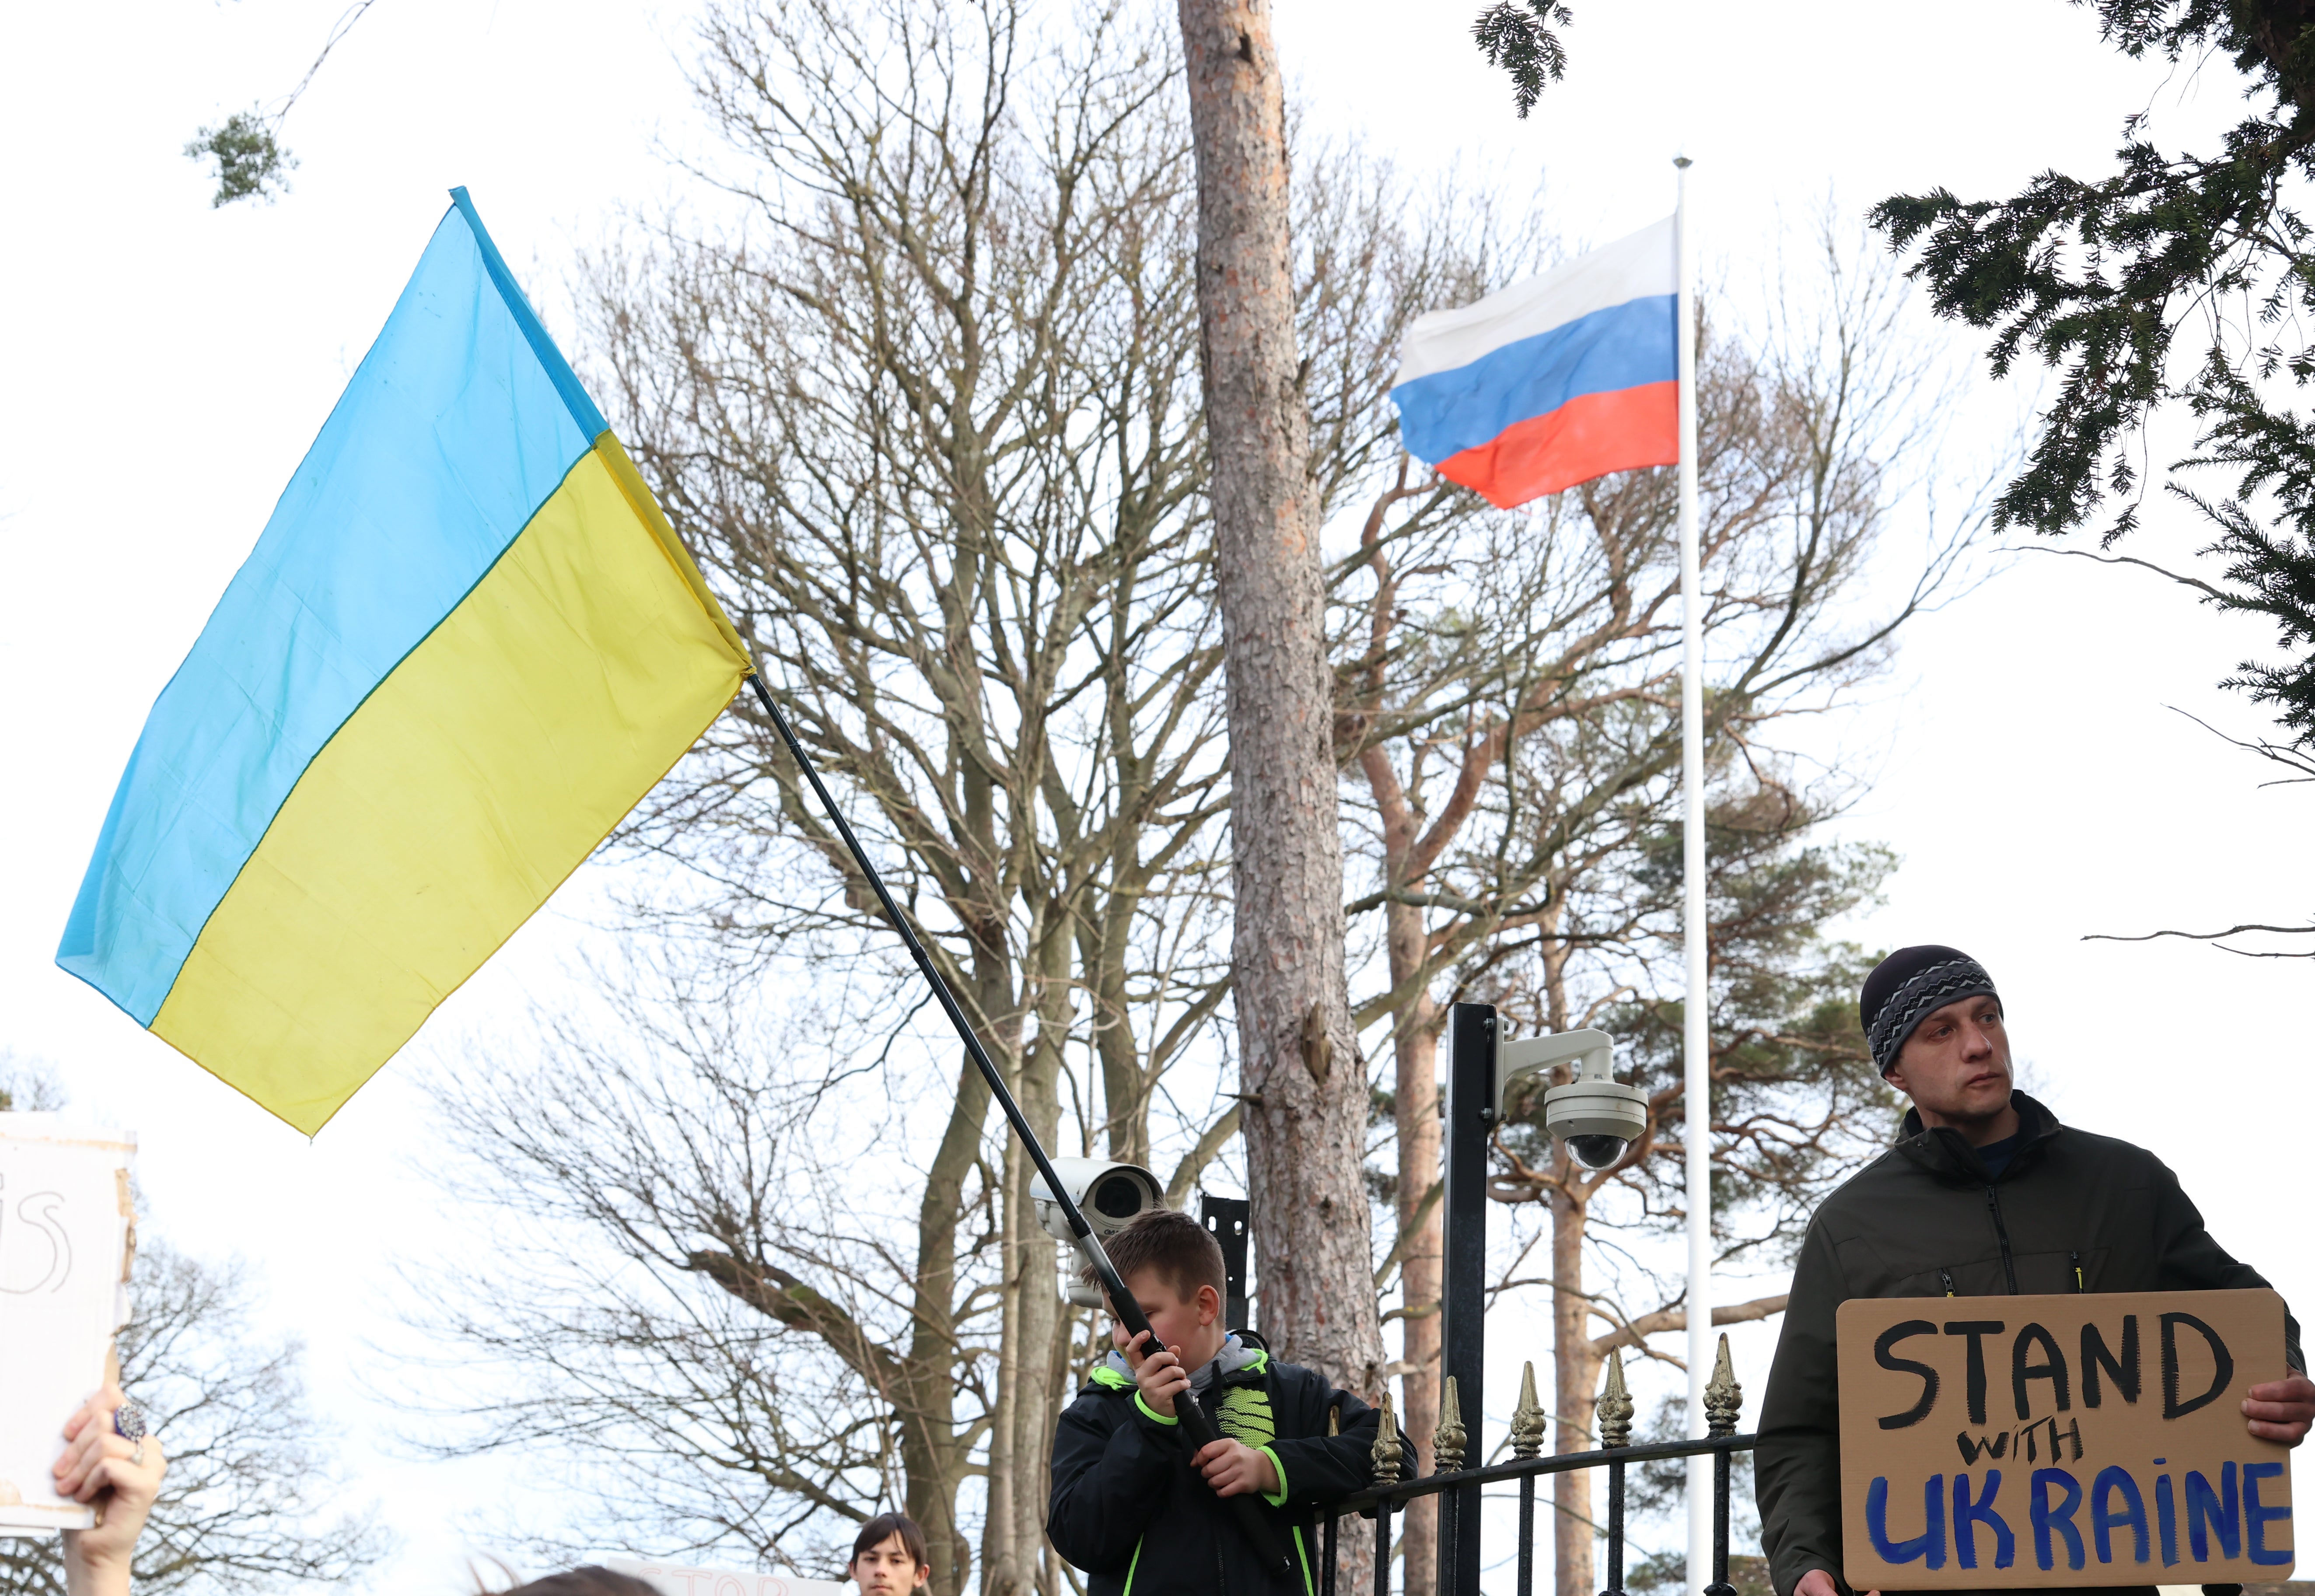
(1021, 1435)
(1305, 1131)
(1042, 1361)
(1575, 1368)
(1419, 1276)
(930, 1458)
(1000, 1568)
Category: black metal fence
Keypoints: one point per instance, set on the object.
(1459, 1488)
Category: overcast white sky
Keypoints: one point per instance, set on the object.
(166, 366)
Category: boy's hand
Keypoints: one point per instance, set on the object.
(1233, 1468)
(1158, 1374)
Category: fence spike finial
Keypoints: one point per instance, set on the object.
(1724, 1399)
(1387, 1455)
(1527, 1418)
(1447, 1440)
(1615, 1406)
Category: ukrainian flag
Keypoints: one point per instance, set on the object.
(465, 646)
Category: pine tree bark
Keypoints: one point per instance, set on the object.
(1414, 1047)
(1576, 1378)
(1422, 1270)
(1305, 1128)
(1575, 1364)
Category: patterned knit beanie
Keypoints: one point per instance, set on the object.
(1909, 985)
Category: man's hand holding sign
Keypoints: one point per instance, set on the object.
(2281, 1410)
(2014, 1356)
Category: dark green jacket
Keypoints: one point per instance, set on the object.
(2073, 1212)
(1128, 1509)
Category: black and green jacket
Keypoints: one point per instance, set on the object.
(1128, 1510)
(2071, 1212)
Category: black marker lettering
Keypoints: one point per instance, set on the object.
(2052, 1368)
(1884, 1354)
(1973, 1447)
(1977, 1330)
(2124, 1370)
(2222, 1373)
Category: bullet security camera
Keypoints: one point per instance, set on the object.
(1111, 1195)
(1595, 1114)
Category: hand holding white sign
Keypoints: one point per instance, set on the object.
(65, 1238)
(119, 1478)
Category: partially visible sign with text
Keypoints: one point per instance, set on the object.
(2091, 1440)
(673, 1578)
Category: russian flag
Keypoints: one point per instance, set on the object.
(1552, 381)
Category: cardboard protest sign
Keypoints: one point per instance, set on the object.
(673, 1581)
(66, 1231)
(2088, 1440)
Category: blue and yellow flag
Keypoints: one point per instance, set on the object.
(466, 644)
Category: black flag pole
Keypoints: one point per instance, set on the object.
(1197, 1425)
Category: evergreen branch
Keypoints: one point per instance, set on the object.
(1517, 36)
(250, 160)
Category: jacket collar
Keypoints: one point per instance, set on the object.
(1945, 1154)
(1243, 1360)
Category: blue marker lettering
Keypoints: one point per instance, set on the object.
(1929, 1545)
(2060, 1518)
(1968, 1514)
(2258, 1517)
(2206, 1511)
(2114, 1479)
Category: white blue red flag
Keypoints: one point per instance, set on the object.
(1553, 381)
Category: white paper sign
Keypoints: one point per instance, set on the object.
(674, 1581)
(64, 1222)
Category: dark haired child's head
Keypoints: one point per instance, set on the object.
(888, 1556)
(1173, 1267)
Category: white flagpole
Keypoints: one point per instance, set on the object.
(1696, 1048)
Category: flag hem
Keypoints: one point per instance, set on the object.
(645, 504)
(558, 369)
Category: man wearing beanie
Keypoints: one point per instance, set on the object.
(1985, 1193)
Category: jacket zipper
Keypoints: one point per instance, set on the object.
(2076, 1259)
(1944, 1279)
(2008, 1266)
(1221, 1566)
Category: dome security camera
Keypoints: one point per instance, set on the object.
(1111, 1196)
(1597, 1116)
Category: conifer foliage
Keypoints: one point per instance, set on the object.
(1519, 36)
(2099, 278)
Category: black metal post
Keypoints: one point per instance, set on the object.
(1472, 1032)
(1449, 1516)
(1720, 1586)
(1331, 1541)
(1229, 1221)
(1615, 1530)
(1382, 1548)
(1527, 1537)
